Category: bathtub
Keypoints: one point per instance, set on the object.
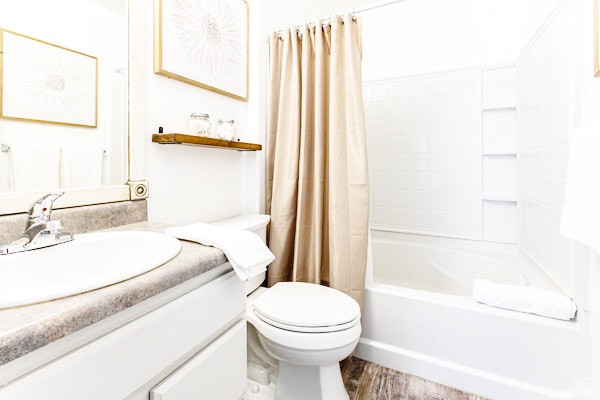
(419, 318)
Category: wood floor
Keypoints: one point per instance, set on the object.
(365, 380)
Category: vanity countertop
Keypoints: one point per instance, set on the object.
(28, 328)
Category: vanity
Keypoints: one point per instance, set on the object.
(175, 332)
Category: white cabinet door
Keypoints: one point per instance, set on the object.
(217, 372)
(118, 364)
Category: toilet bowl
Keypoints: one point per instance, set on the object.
(309, 329)
(303, 330)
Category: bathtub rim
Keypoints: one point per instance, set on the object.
(501, 252)
(532, 273)
(482, 256)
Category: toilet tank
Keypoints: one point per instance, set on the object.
(256, 223)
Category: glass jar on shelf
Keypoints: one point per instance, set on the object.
(225, 129)
(199, 124)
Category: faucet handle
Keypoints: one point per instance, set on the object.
(39, 211)
(53, 226)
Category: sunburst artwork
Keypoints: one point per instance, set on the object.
(204, 43)
(43, 82)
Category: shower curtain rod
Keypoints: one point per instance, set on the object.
(352, 11)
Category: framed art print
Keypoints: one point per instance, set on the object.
(203, 43)
(43, 82)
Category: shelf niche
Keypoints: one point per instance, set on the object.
(499, 132)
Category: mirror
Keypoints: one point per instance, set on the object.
(63, 96)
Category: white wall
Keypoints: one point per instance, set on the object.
(279, 14)
(188, 183)
(415, 37)
(81, 26)
(543, 72)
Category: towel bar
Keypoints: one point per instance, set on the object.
(5, 148)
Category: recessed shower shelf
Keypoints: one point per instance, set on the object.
(499, 154)
(179, 138)
(499, 107)
(499, 197)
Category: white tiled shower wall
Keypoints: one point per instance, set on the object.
(543, 135)
(425, 151)
(425, 154)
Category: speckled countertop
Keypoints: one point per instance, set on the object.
(28, 328)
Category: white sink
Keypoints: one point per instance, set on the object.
(90, 261)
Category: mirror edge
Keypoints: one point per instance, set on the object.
(13, 203)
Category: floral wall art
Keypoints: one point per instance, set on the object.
(204, 43)
(43, 82)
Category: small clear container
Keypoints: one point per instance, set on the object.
(225, 129)
(199, 124)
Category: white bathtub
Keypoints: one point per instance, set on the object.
(419, 318)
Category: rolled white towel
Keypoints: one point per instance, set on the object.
(34, 167)
(81, 166)
(524, 299)
(245, 250)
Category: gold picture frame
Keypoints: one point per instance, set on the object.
(173, 56)
(65, 88)
(596, 41)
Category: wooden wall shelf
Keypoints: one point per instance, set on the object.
(179, 138)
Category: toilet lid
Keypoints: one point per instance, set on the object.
(306, 307)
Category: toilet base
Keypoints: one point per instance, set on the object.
(301, 382)
(257, 391)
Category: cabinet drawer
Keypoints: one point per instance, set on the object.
(119, 363)
(217, 372)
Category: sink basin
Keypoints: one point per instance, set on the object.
(91, 261)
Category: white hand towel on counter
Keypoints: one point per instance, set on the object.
(81, 167)
(34, 168)
(524, 299)
(245, 250)
(580, 218)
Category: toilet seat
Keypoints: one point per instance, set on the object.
(306, 308)
(307, 329)
(305, 341)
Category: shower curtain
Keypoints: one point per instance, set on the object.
(317, 179)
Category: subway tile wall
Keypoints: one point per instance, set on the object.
(425, 154)
(543, 135)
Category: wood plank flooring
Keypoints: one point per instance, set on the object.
(365, 380)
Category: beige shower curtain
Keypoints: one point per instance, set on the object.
(317, 179)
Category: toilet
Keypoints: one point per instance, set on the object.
(297, 333)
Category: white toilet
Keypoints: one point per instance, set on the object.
(298, 332)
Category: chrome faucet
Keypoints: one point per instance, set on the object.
(40, 231)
